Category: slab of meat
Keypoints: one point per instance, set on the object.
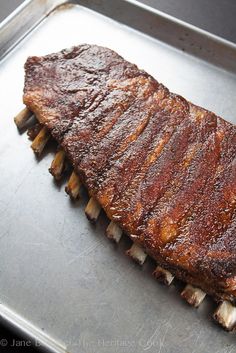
(162, 168)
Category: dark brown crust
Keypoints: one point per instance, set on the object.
(161, 167)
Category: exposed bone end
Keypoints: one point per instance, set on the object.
(137, 254)
(58, 164)
(22, 118)
(33, 131)
(73, 186)
(114, 232)
(40, 141)
(225, 315)
(92, 210)
(194, 296)
(163, 276)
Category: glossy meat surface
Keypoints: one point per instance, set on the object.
(161, 167)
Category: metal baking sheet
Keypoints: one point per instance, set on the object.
(61, 281)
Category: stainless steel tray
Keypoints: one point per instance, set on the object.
(61, 281)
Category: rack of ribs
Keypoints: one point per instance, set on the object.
(162, 168)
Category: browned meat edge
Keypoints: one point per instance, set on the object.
(161, 167)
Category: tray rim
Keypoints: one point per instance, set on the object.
(7, 316)
(12, 31)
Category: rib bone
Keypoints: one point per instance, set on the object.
(57, 165)
(73, 186)
(137, 254)
(92, 210)
(40, 141)
(225, 314)
(33, 131)
(163, 276)
(22, 118)
(194, 296)
(114, 232)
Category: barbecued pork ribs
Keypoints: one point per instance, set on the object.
(161, 167)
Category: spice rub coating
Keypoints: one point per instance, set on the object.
(161, 167)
